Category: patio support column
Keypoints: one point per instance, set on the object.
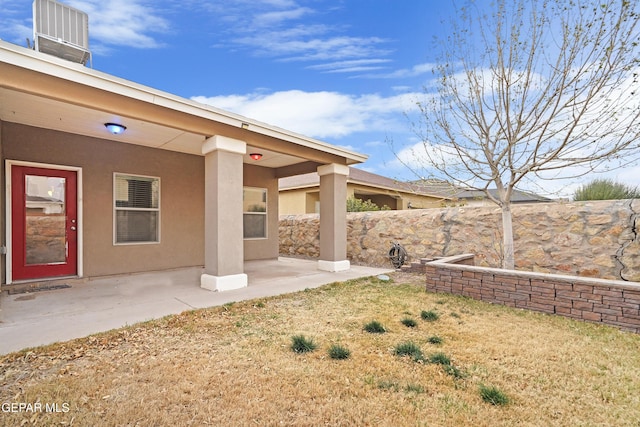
(333, 217)
(223, 230)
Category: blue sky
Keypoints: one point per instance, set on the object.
(344, 71)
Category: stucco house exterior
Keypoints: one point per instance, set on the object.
(177, 187)
(301, 194)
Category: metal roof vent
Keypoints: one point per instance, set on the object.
(61, 30)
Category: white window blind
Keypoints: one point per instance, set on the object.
(137, 209)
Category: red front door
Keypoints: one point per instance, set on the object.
(44, 222)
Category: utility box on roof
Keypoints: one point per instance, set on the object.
(61, 30)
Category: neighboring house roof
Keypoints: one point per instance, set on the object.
(42, 199)
(429, 187)
(357, 176)
(517, 196)
(41, 90)
(446, 189)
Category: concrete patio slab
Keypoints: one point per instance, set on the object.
(44, 317)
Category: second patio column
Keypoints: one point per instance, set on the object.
(333, 217)
(224, 246)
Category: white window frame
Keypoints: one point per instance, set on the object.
(265, 213)
(116, 209)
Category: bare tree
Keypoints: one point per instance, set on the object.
(532, 89)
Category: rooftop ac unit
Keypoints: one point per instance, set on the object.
(61, 30)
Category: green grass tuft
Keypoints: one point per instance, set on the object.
(429, 316)
(301, 344)
(375, 327)
(440, 359)
(434, 340)
(338, 352)
(414, 388)
(409, 322)
(409, 349)
(493, 395)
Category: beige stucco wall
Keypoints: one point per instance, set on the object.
(333, 212)
(380, 200)
(312, 201)
(292, 202)
(299, 201)
(596, 239)
(181, 196)
(302, 200)
(419, 202)
(394, 199)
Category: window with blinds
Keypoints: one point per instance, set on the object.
(254, 218)
(137, 209)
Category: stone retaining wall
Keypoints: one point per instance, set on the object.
(589, 239)
(45, 239)
(611, 302)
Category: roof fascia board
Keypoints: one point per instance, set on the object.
(301, 187)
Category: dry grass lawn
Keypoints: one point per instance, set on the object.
(233, 365)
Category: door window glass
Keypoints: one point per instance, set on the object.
(45, 221)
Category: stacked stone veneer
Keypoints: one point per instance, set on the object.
(46, 239)
(610, 302)
(590, 239)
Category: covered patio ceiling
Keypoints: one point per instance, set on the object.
(41, 112)
(43, 91)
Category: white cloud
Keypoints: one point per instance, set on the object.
(294, 45)
(347, 147)
(416, 70)
(420, 157)
(270, 19)
(561, 183)
(287, 31)
(122, 22)
(318, 114)
(370, 169)
(111, 22)
(19, 31)
(614, 113)
(564, 183)
(629, 176)
(356, 65)
(376, 143)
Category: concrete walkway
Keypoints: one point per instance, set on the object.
(39, 318)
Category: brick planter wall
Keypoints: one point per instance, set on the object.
(610, 302)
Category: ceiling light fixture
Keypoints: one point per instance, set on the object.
(255, 156)
(115, 128)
